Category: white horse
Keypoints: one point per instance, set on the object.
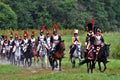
(76, 54)
(18, 53)
(42, 52)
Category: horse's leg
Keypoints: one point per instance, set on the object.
(53, 64)
(73, 63)
(99, 66)
(92, 66)
(88, 65)
(60, 60)
(56, 65)
(104, 66)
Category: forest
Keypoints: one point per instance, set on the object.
(68, 14)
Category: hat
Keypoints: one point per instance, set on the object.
(93, 21)
(20, 37)
(33, 33)
(16, 35)
(48, 31)
(98, 30)
(76, 31)
(90, 26)
(26, 33)
(11, 34)
(5, 36)
(55, 27)
(42, 28)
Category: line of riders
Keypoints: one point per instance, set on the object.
(94, 40)
(47, 41)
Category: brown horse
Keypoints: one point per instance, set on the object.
(58, 54)
(35, 54)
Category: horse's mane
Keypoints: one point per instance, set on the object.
(59, 46)
(103, 51)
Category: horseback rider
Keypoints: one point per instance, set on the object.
(16, 43)
(75, 40)
(33, 38)
(48, 40)
(25, 40)
(89, 42)
(41, 38)
(55, 38)
(11, 40)
(98, 42)
(5, 43)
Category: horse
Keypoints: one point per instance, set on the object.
(42, 52)
(17, 54)
(102, 56)
(34, 49)
(28, 53)
(89, 60)
(76, 54)
(58, 54)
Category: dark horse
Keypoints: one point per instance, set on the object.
(89, 59)
(28, 54)
(102, 56)
(57, 55)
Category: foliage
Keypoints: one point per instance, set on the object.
(8, 18)
(68, 14)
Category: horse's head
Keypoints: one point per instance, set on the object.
(78, 47)
(104, 51)
(60, 46)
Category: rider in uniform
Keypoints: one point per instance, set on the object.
(41, 38)
(75, 40)
(98, 42)
(25, 40)
(55, 38)
(33, 38)
(15, 43)
(5, 43)
(89, 42)
(48, 40)
(11, 40)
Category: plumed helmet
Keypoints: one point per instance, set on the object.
(89, 26)
(5, 36)
(42, 29)
(76, 31)
(48, 31)
(55, 27)
(11, 34)
(33, 33)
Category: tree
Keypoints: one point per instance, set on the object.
(8, 18)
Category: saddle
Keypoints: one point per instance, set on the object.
(90, 55)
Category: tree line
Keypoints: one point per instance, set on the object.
(68, 14)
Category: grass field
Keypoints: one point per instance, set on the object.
(10, 72)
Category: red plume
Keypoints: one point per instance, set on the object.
(16, 35)
(11, 33)
(33, 32)
(20, 36)
(92, 21)
(6, 37)
(43, 28)
(48, 31)
(56, 27)
(26, 33)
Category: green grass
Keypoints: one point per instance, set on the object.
(10, 72)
